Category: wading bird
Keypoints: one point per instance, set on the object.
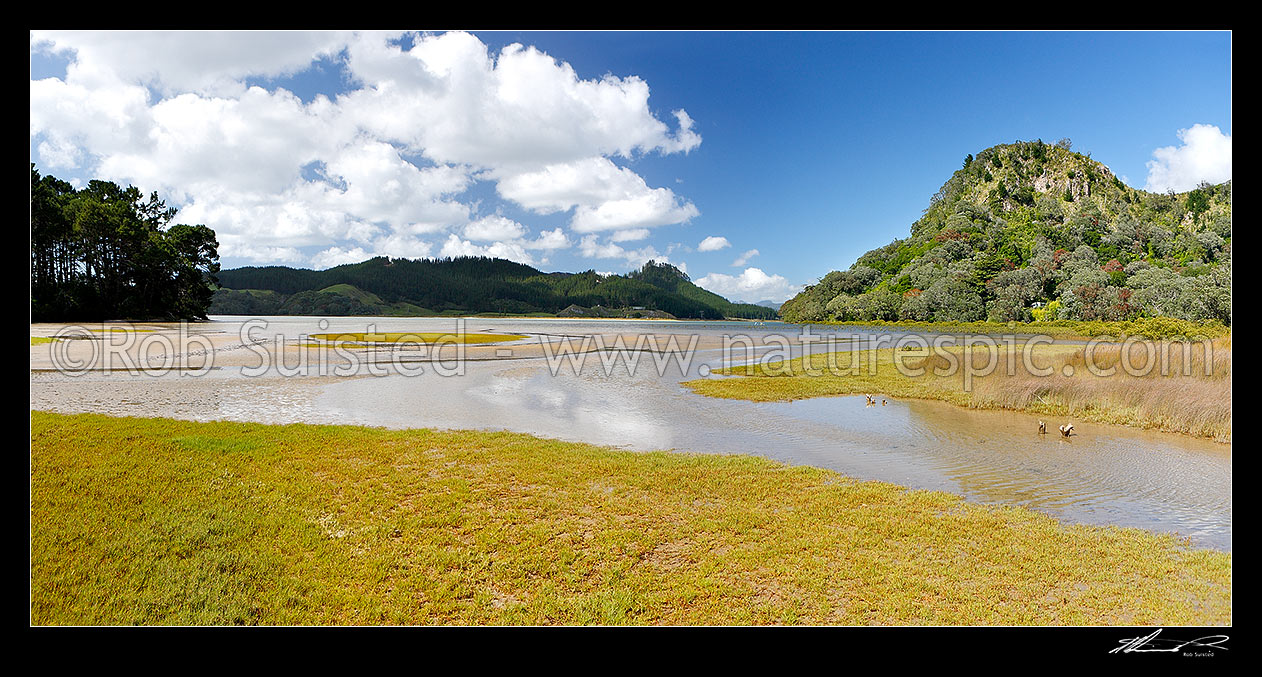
(1067, 429)
(1042, 428)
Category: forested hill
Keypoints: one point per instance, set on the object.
(1031, 231)
(384, 286)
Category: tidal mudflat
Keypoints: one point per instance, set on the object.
(1106, 475)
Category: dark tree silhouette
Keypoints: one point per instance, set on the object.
(105, 252)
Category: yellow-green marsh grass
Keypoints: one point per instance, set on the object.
(155, 521)
(415, 337)
(1182, 397)
(92, 334)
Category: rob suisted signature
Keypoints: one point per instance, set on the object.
(1154, 644)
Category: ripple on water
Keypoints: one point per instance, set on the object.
(1104, 475)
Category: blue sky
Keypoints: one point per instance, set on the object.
(813, 147)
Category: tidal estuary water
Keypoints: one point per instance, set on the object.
(1105, 475)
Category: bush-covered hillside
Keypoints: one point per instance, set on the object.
(383, 286)
(1031, 231)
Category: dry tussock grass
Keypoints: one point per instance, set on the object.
(1179, 387)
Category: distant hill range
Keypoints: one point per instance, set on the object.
(469, 285)
(1031, 230)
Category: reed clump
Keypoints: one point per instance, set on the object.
(1176, 386)
(1173, 386)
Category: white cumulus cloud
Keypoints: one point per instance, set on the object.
(336, 256)
(751, 286)
(376, 166)
(590, 247)
(657, 207)
(603, 195)
(713, 244)
(550, 239)
(211, 62)
(401, 246)
(513, 251)
(630, 235)
(494, 228)
(1204, 156)
(744, 258)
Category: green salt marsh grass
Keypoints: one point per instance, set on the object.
(156, 521)
(91, 334)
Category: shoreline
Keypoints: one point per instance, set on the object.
(751, 382)
(735, 382)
